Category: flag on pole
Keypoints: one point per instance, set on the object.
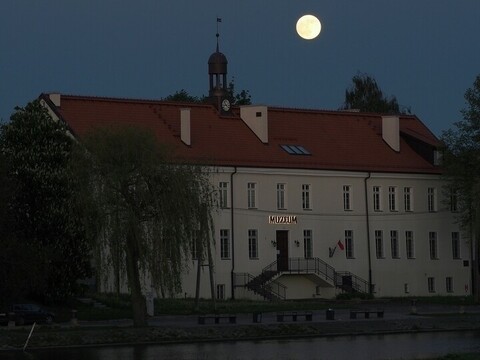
(219, 19)
(340, 245)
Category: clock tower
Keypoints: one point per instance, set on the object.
(217, 72)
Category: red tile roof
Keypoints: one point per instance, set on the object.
(336, 140)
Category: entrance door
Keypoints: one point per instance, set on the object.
(282, 250)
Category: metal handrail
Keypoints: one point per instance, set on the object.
(355, 282)
(273, 287)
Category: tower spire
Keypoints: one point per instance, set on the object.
(219, 20)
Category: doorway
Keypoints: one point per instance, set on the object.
(282, 250)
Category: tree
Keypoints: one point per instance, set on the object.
(461, 160)
(241, 98)
(43, 219)
(365, 95)
(151, 208)
(183, 96)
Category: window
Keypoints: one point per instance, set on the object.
(431, 201)
(347, 194)
(449, 284)
(295, 150)
(431, 284)
(377, 198)
(456, 245)
(432, 239)
(409, 244)
(306, 197)
(406, 288)
(394, 244)
(307, 244)
(349, 244)
(453, 200)
(281, 189)
(379, 244)
(407, 198)
(221, 291)
(223, 194)
(392, 198)
(252, 195)
(225, 243)
(253, 244)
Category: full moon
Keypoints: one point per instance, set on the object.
(308, 27)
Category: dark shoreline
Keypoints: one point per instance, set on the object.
(86, 335)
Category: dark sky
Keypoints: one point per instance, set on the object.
(425, 52)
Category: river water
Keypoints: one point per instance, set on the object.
(371, 347)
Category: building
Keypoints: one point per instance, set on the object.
(313, 202)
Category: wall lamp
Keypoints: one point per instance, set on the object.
(297, 243)
(274, 243)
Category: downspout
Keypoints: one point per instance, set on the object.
(232, 217)
(367, 218)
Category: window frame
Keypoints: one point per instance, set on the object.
(308, 244)
(449, 284)
(225, 253)
(456, 248)
(281, 196)
(431, 199)
(394, 244)
(408, 198)
(349, 244)
(379, 245)
(347, 198)
(251, 195)
(377, 198)
(306, 198)
(431, 284)
(253, 244)
(223, 187)
(410, 244)
(392, 199)
(433, 245)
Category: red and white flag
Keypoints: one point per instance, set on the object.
(340, 245)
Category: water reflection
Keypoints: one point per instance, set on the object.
(402, 346)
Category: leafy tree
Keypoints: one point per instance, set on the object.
(241, 98)
(151, 208)
(461, 161)
(365, 95)
(42, 207)
(183, 96)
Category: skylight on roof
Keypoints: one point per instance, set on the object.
(295, 150)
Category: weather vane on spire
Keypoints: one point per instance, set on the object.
(219, 20)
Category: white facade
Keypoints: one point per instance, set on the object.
(339, 205)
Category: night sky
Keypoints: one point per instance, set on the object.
(425, 52)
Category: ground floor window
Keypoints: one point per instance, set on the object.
(449, 284)
(307, 244)
(431, 284)
(379, 244)
(349, 244)
(221, 291)
(224, 243)
(394, 244)
(409, 244)
(406, 288)
(253, 244)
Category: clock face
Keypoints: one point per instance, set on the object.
(226, 105)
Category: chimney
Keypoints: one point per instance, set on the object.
(55, 99)
(185, 134)
(256, 118)
(391, 131)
